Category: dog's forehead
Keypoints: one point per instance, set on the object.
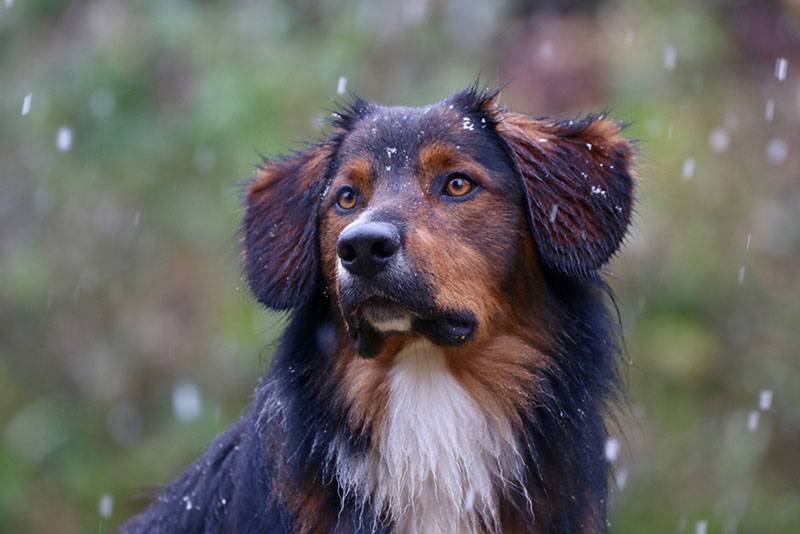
(396, 134)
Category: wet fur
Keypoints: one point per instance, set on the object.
(356, 430)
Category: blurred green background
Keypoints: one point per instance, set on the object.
(127, 336)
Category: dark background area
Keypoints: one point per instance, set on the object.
(128, 338)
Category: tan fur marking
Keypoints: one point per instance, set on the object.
(498, 375)
(358, 172)
(602, 135)
(312, 512)
(312, 169)
(457, 271)
(437, 158)
(364, 386)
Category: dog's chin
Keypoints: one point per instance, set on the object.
(387, 317)
(377, 319)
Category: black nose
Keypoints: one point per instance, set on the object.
(367, 248)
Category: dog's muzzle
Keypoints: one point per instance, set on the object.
(382, 294)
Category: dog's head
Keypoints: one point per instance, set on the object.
(435, 221)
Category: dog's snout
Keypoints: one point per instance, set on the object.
(365, 249)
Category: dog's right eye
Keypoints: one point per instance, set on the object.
(347, 198)
(458, 185)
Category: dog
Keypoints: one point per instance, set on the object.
(450, 357)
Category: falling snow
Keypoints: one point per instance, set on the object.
(670, 57)
(781, 68)
(26, 104)
(719, 140)
(752, 421)
(186, 401)
(341, 87)
(612, 449)
(769, 110)
(701, 527)
(105, 507)
(740, 277)
(777, 151)
(765, 400)
(64, 139)
(687, 170)
(621, 477)
(546, 50)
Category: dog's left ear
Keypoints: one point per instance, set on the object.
(577, 176)
(280, 226)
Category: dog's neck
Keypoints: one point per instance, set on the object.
(439, 460)
(385, 434)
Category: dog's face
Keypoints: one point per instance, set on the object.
(436, 221)
(421, 226)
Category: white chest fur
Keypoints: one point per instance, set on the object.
(440, 459)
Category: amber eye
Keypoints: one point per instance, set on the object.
(458, 185)
(347, 198)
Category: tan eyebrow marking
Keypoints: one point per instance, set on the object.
(359, 172)
(438, 157)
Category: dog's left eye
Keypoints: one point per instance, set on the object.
(458, 185)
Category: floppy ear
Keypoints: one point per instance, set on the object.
(281, 250)
(577, 176)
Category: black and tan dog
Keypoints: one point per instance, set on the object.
(450, 356)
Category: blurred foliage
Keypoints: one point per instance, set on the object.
(128, 339)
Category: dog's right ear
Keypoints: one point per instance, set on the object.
(281, 249)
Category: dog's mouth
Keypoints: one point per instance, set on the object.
(377, 318)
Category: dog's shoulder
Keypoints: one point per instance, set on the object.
(230, 488)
